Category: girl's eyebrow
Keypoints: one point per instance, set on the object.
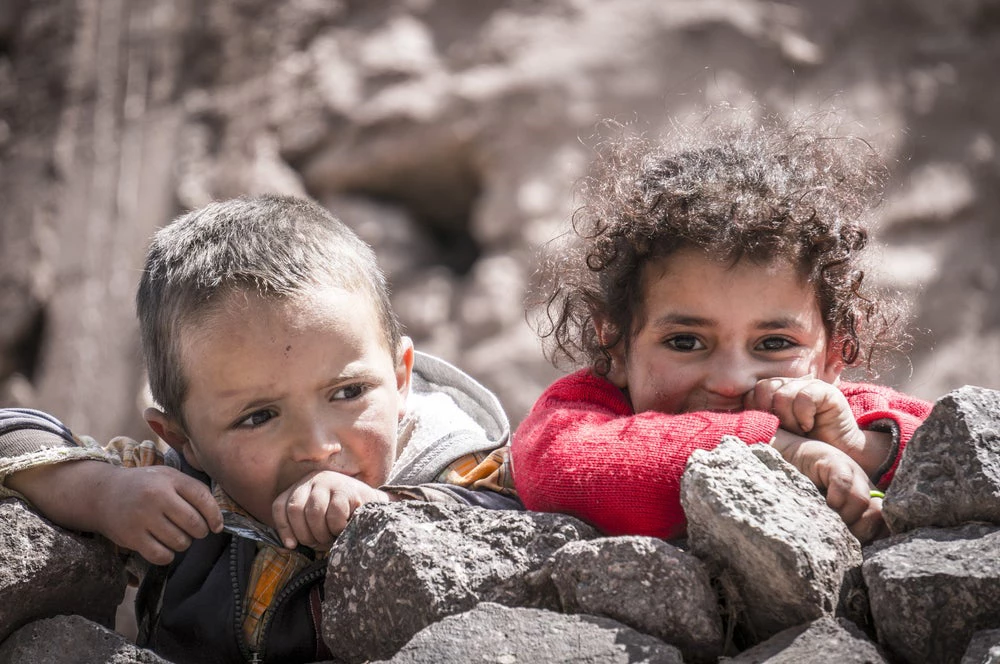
(780, 323)
(683, 320)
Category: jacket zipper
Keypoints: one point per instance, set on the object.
(306, 576)
(241, 641)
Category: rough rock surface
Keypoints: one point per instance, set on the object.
(46, 570)
(950, 473)
(644, 583)
(931, 589)
(494, 633)
(72, 639)
(984, 648)
(433, 560)
(823, 640)
(766, 528)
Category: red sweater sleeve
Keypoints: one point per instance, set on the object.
(582, 451)
(871, 403)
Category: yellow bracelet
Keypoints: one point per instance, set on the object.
(875, 493)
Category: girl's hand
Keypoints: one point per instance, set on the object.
(844, 483)
(809, 407)
(314, 510)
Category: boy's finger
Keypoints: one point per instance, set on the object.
(200, 498)
(847, 493)
(804, 409)
(279, 513)
(153, 550)
(170, 535)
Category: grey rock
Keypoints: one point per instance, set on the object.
(402, 566)
(823, 640)
(984, 648)
(644, 583)
(494, 633)
(933, 588)
(950, 472)
(72, 639)
(46, 571)
(770, 535)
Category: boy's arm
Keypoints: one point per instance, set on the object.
(154, 511)
(582, 452)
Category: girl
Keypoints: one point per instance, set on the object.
(716, 290)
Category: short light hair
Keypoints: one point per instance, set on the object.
(272, 246)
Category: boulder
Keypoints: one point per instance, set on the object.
(46, 571)
(399, 567)
(823, 640)
(646, 584)
(932, 589)
(72, 639)
(984, 648)
(950, 472)
(768, 532)
(494, 633)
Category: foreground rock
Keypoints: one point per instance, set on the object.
(741, 499)
(46, 571)
(400, 567)
(984, 648)
(933, 588)
(494, 633)
(950, 473)
(72, 639)
(824, 640)
(644, 583)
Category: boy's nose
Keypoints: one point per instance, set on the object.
(316, 444)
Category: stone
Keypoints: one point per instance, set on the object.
(72, 638)
(768, 533)
(931, 589)
(46, 570)
(399, 567)
(984, 648)
(950, 471)
(823, 640)
(494, 633)
(644, 583)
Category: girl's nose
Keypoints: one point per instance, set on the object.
(731, 375)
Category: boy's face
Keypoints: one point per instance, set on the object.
(710, 331)
(280, 388)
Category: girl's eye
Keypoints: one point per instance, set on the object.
(775, 343)
(685, 343)
(256, 419)
(349, 392)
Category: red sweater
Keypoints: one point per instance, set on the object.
(583, 451)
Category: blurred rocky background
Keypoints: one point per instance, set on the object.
(449, 134)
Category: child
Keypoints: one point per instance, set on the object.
(288, 397)
(715, 290)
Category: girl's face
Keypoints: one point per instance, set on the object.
(709, 331)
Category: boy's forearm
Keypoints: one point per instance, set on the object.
(68, 494)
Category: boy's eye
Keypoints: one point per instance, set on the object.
(256, 419)
(775, 343)
(685, 343)
(349, 392)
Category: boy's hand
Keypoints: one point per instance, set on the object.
(156, 511)
(314, 510)
(845, 483)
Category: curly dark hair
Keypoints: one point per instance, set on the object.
(757, 191)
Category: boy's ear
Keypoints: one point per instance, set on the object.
(172, 434)
(404, 372)
(617, 373)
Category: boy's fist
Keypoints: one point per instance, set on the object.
(314, 510)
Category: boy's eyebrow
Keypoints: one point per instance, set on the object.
(780, 323)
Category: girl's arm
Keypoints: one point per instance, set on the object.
(581, 451)
(882, 409)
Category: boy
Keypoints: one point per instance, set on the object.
(288, 397)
